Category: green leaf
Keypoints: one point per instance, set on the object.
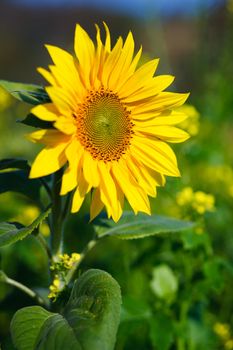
(161, 331)
(29, 93)
(11, 232)
(18, 181)
(3, 276)
(134, 310)
(32, 120)
(140, 226)
(89, 321)
(14, 163)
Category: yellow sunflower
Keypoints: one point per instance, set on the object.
(111, 124)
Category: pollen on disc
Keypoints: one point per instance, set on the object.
(104, 126)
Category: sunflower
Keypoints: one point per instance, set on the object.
(111, 121)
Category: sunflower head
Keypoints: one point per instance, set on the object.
(111, 124)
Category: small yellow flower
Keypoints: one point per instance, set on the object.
(112, 122)
(185, 197)
(203, 202)
(199, 201)
(55, 288)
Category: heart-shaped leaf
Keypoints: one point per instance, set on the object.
(12, 232)
(89, 321)
(140, 226)
(29, 93)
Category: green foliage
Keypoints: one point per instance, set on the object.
(164, 283)
(161, 331)
(89, 320)
(29, 93)
(140, 226)
(17, 180)
(12, 232)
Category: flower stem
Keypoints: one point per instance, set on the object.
(25, 289)
(44, 244)
(56, 215)
(91, 244)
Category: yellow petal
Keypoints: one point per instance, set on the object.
(66, 63)
(49, 160)
(108, 38)
(121, 73)
(162, 101)
(138, 79)
(47, 112)
(79, 195)
(71, 175)
(75, 90)
(96, 204)
(90, 170)
(108, 193)
(136, 197)
(84, 50)
(142, 176)
(111, 62)
(156, 155)
(167, 117)
(151, 89)
(48, 137)
(47, 75)
(166, 133)
(62, 100)
(66, 125)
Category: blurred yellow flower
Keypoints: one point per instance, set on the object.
(28, 214)
(222, 330)
(229, 344)
(191, 124)
(199, 201)
(221, 177)
(5, 100)
(111, 122)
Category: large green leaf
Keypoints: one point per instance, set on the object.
(12, 163)
(89, 321)
(11, 232)
(18, 181)
(140, 226)
(29, 93)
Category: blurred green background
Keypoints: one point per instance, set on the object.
(177, 290)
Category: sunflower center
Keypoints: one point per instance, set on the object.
(104, 126)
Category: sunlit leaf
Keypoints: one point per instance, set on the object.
(139, 226)
(29, 93)
(11, 232)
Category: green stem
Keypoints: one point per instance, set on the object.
(44, 244)
(91, 244)
(25, 289)
(56, 215)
